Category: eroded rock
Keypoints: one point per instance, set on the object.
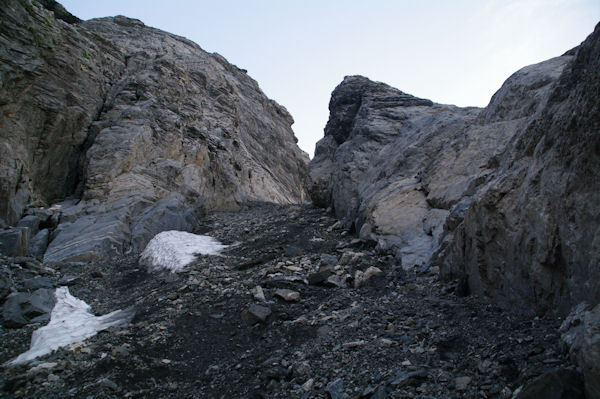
(149, 130)
(504, 197)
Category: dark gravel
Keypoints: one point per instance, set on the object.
(401, 334)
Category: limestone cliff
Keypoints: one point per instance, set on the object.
(507, 196)
(142, 130)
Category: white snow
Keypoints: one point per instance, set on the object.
(174, 250)
(70, 321)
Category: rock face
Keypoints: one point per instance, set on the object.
(145, 129)
(507, 196)
(533, 232)
(52, 91)
(580, 334)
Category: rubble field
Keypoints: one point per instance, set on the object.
(294, 307)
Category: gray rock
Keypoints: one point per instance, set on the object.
(38, 244)
(590, 353)
(385, 197)
(555, 384)
(529, 238)
(287, 295)
(35, 283)
(462, 383)
(491, 194)
(318, 277)
(22, 308)
(67, 72)
(256, 314)
(366, 233)
(335, 389)
(69, 279)
(92, 236)
(403, 378)
(13, 242)
(32, 223)
(149, 130)
(329, 260)
(167, 214)
(69, 211)
(362, 278)
(337, 281)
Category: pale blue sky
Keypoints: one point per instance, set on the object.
(454, 52)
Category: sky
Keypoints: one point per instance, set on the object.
(450, 51)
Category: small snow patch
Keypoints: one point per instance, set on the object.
(70, 321)
(174, 250)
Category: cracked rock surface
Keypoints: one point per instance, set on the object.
(139, 130)
(505, 197)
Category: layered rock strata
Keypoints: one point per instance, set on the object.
(506, 197)
(144, 129)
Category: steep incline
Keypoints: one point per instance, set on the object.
(51, 91)
(522, 173)
(143, 126)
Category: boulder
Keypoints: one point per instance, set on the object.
(256, 314)
(92, 237)
(23, 308)
(13, 241)
(36, 283)
(32, 223)
(39, 243)
(555, 384)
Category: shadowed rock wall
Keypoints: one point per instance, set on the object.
(506, 196)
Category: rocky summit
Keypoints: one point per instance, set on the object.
(157, 240)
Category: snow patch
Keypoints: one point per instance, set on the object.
(70, 321)
(174, 250)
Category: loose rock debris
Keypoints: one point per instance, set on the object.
(223, 328)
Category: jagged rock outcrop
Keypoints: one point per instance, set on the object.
(532, 233)
(507, 196)
(145, 129)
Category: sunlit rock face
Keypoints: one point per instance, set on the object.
(145, 128)
(507, 196)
